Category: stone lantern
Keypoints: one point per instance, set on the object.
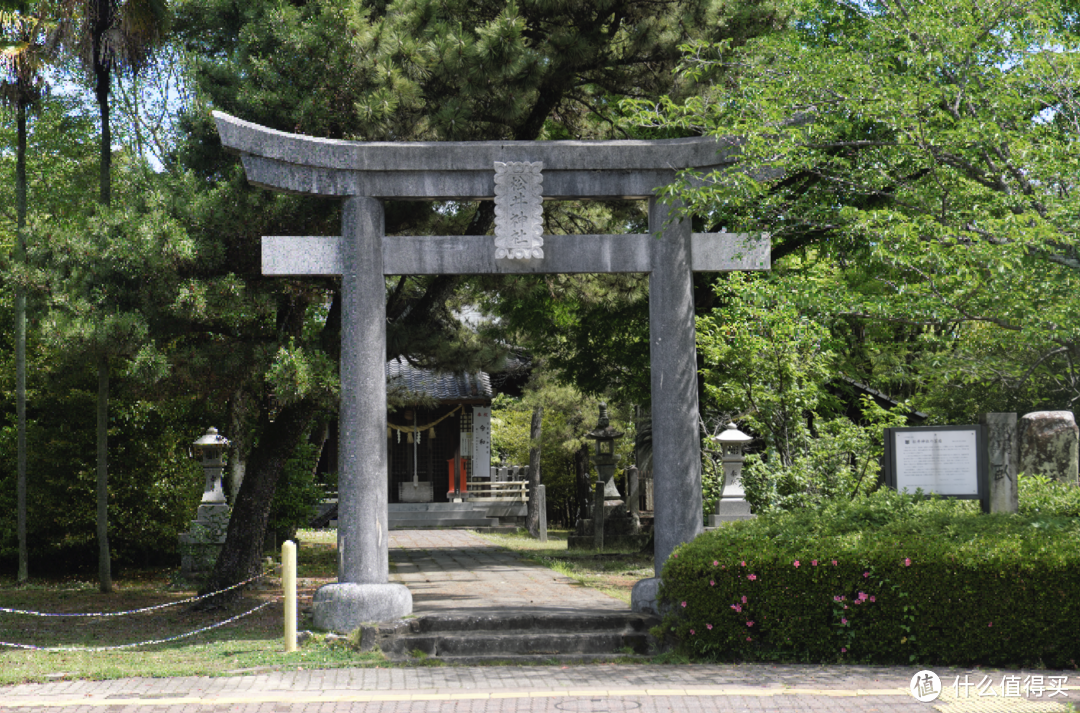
(209, 450)
(732, 504)
(201, 544)
(611, 524)
(604, 456)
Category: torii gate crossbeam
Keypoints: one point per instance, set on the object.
(365, 174)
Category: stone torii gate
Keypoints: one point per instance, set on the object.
(518, 175)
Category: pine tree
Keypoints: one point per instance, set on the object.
(404, 70)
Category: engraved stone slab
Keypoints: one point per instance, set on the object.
(519, 210)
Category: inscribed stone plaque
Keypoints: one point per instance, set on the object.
(519, 210)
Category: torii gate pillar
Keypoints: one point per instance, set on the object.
(365, 174)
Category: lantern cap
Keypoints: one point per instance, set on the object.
(732, 436)
(604, 429)
(211, 438)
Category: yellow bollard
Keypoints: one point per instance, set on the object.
(288, 585)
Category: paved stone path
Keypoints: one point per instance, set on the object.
(458, 570)
(453, 570)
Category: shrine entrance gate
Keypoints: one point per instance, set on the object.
(518, 175)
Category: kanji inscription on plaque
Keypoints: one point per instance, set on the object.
(519, 210)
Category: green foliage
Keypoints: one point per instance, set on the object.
(1043, 497)
(297, 493)
(154, 491)
(568, 416)
(927, 150)
(889, 579)
(767, 363)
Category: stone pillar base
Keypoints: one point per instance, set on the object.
(643, 597)
(730, 509)
(343, 607)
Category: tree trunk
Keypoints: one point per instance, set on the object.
(243, 549)
(581, 475)
(238, 441)
(102, 75)
(20, 335)
(102, 79)
(104, 558)
(532, 510)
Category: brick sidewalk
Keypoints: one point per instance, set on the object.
(497, 689)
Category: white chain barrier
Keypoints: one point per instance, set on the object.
(166, 605)
(185, 635)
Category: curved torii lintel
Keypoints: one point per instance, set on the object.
(433, 170)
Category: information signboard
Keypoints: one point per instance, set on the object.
(947, 460)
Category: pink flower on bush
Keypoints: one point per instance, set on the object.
(749, 639)
(796, 563)
(684, 604)
(990, 624)
(843, 650)
(744, 599)
(862, 596)
(743, 563)
(691, 632)
(834, 563)
(843, 621)
(712, 583)
(749, 623)
(907, 562)
(872, 599)
(736, 607)
(813, 563)
(751, 577)
(865, 575)
(715, 562)
(709, 627)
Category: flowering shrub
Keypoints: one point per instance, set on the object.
(888, 579)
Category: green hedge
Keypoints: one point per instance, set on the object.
(888, 579)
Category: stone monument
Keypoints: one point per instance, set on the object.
(1050, 445)
(1002, 446)
(364, 174)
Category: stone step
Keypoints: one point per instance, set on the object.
(434, 507)
(517, 636)
(437, 515)
(420, 523)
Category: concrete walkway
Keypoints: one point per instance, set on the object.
(449, 570)
(454, 570)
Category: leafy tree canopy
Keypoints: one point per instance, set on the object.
(932, 146)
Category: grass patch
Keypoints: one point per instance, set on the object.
(613, 572)
(248, 645)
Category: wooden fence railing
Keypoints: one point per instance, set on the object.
(514, 491)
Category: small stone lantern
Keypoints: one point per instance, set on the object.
(604, 456)
(201, 544)
(209, 450)
(732, 504)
